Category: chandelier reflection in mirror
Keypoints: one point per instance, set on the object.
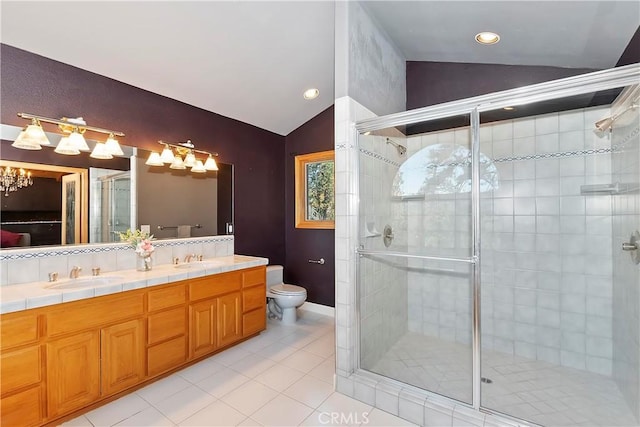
(72, 143)
(182, 155)
(12, 179)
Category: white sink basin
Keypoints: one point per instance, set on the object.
(197, 264)
(85, 282)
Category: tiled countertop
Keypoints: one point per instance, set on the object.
(39, 294)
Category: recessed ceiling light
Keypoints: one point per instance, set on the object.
(487, 37)
(311, 93)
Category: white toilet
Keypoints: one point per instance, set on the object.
(283, 298)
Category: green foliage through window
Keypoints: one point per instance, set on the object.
(320, 191)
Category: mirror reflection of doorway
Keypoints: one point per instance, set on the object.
(36, 210)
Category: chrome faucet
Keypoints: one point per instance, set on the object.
(75, 272)
(189, 257)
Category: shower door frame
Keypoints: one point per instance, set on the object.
(555, 89)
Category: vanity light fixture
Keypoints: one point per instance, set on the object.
(487, 37)
(311, 93)
(72, 143)
(172, 155)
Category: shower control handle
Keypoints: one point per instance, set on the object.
(633, 247)
(320, 261)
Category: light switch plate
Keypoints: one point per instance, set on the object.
(145, 228)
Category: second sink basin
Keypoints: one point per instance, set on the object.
(85, 282)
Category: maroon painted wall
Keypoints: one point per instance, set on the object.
(304, 244)
(430, 83)
(34, 84)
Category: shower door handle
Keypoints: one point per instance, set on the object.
(629, 246)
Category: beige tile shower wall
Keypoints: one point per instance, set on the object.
(546, 249)
(383, 281)
(626, 275)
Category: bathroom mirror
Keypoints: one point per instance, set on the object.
(38, 214)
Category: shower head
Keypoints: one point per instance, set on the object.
(402, 150)
(606, 124)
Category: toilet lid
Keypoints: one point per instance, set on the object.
(284, 289)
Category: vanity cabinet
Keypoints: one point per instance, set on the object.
(60, 359)
(254, 295)
(73, 372)
(21, 380)
(229, 328)
(166, 328)
(122, 356)
(215, 319)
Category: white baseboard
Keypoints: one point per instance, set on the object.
(318, 308)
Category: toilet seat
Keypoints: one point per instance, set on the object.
(285, 289)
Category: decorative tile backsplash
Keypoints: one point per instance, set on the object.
(34, 264)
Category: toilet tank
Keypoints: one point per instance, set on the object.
(274, 275)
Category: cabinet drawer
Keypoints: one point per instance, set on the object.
(20, 368)
(167, 324)
(211, 286)
(18, 329)
(253, 298)
(167, 297)
(255, 276)
(79, 315)
(22, 409)
(253, 322)
(165, 356)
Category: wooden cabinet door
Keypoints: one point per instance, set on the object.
(122, 356)
(73, 372)
(229, 318)
(23, 409)
(202, 328)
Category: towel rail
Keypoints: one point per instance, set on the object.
(172, 227)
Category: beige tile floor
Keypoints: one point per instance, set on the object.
(532, 390)
(283, 377)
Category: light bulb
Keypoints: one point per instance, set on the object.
(190, 160)
(66, 147)
(113, 147)
(211, 164)
(23, 142)
(167, 155)
(177, 163)
(199, 167)
(100, 152)
(78, 141)
(154, 160)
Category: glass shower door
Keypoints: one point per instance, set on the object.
(415, 269)
(559, 295)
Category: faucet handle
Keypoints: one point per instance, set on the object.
(53, 276)
(95, 271)
(200, 257)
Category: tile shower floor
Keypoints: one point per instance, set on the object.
(283, 377)
(533, 390)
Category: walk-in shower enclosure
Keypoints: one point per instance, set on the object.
(487, 279)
